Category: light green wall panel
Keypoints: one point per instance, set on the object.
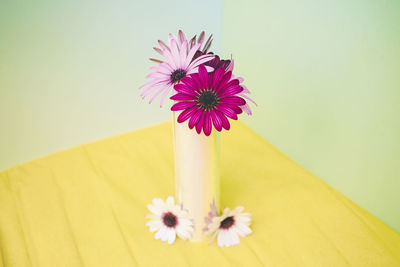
(70, 70)
(326, 75)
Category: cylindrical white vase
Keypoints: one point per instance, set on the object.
(197, 172)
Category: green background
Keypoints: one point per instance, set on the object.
(324, 73)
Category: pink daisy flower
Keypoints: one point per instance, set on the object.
(208, 99)
(178, 63)
(181, 39)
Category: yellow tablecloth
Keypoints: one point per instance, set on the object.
(86, 207)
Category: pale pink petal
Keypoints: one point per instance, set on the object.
(157, 75)
(246, 108)
(163, 45)
(182, 37)
(247, 97)
(196, 70)
(230, 66)
(172, 37)
(209, 69)
(192, 42)
(158, 50)
(157, 93)
(175, 53)
(245, 90)
(183, 54)
(165, 95)
(192, 70)
(191, 54)
(201, 38)
(169, 57)
(153, 81)
(163, 68)
(200, 60)
(151, 88)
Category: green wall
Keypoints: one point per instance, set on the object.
(326, 76)
(70, 70)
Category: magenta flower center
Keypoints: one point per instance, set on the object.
(227, 223)
(207, 99)
(170, 219)
(177, 75)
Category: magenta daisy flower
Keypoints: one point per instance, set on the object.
(228, 65)
(208, 99)
(178, 63)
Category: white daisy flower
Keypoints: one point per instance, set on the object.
(229, 226)
(169, 220)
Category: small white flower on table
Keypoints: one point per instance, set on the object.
(229, 226)
(169, 220)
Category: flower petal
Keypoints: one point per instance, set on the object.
(189, 82)
(186, 114)
(207, 126)
(227, 111)
(200, 40)
(230, 66)
(181, 36)
(225, 122)
(161, 233)
(171, 236)
(199, 124)
(182, 97)
(163, 45)
(225, 79)
(182, 88)
(170, 201)
(246, 108)
(165, 95)
(217, 77)
(234, 237)
(197, 81)
(200, 60)
(203, 75)
(191, 53)
(216, 120)
(195, 118)
(222, 238)
(183, 55)
(231, 83)
(170, 59)
(182, 105)
(234, 100)
(230, 91)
